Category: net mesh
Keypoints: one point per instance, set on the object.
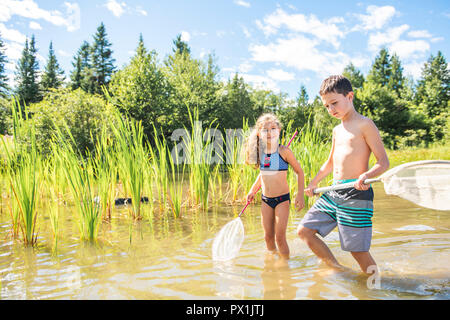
(228, 242)
(426, 183)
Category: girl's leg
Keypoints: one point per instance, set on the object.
(268, 224)
(281, 222)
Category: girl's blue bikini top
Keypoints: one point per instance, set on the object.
(273, 162)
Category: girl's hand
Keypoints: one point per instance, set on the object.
(250, 196)
(299, 202)
(309, 191)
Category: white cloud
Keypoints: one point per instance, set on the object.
(261, 82)
(185, 36)
(115, 7)
(242, 3)
(437, 39)
(11, 34)
(326, 31)
(30, 9)
(300, 53)
(246, 32)
(63, 53)
(280, 75)
(13, 51)
(409, 49)
(245, 67)
(419, 34)
(35, 26)
(414, 69)
(376, 18)
(380, 39)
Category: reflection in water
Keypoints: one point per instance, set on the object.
(277, 278)
(168, 258)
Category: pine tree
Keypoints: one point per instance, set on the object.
(381, 69)
(4, 88)
(27, 73)
(354, 75)
(101, 59)
(180, 46)
(81, 63)
(302, 99)
(397, 80)
(53, 76)
(433, 94)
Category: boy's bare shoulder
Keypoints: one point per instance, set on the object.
(366, 123)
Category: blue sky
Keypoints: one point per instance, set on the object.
(272, 44)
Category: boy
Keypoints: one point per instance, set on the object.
(350, 209)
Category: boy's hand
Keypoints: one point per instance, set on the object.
(309, 191)
(299, 202)
(250, 196)
(359, 184)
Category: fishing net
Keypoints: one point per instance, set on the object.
(227, 243)
(426, 183)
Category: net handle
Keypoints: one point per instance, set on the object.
(248, 202)
(384, 176)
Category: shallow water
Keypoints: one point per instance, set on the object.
(171, 259)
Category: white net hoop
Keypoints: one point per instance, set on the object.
(426, 183)
(228, 242)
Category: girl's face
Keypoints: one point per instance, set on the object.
(269, 132)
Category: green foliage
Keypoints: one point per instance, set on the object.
(83, 113)
(140, 91)
(27, 73)
(102, 62)
(53, 75)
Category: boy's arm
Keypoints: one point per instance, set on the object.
(373, 140)
(324, 171)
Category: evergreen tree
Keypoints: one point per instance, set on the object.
(53, 76)
(140, 90)
(181, 46)
(81, 66)
(102, 63)
(354, 75)
(396, 81)
(381, 69)
(26, 74)
(302, 99)
(4, 88)
(433, 94)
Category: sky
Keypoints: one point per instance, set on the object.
(272, 44)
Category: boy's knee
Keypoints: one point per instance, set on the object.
(280, 238)
(269, 236)
(305, 233)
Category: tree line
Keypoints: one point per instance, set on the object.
(159, 93)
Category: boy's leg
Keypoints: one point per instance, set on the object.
(366, 262)
(268, 224)
(281, 221)
(317, 246)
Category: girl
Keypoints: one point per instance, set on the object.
(264, 151)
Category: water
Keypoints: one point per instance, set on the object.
(171, 259)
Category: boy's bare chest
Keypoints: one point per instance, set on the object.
(349, 137)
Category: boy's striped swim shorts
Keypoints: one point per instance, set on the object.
(349, 209)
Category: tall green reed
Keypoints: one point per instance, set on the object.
(79, 173)
(23, 166)
(131, 159)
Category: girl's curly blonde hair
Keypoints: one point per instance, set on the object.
(253, 143)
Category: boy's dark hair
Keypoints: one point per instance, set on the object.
(337, 84)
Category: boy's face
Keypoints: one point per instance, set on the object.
(337, 104)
